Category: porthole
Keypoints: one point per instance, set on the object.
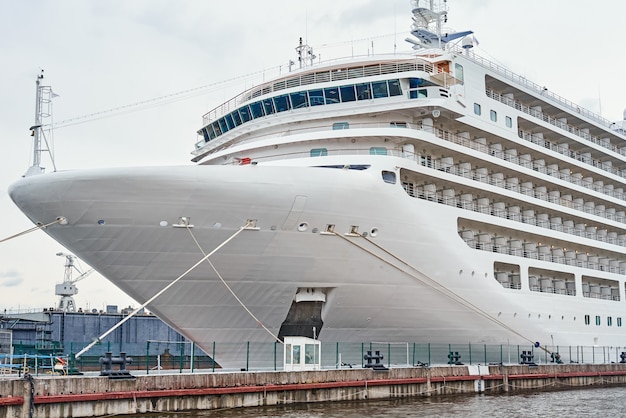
(374, 232)
(101, 222)
(163, 223)
(303, 226)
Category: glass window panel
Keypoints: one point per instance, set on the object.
(378, 151)
(509, 122)
(236, 118)
(268, 105)
(244, 111)
(332, 95)
(229, 121)
(380, 89)
(389, 177)
(341, 125)
(364, 91)
(347, 93)
(223, 125)
(296, 354)
(319, 152)
(458, 72)
(205, 133)
(493, 115)
(316, 97)
(257, 110)
(394, 88)
(216, 128)
(282, 103)
(299, 99)
(288, 353)
(310, 356)
(477, 109)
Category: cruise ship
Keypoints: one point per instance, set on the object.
(429, 196)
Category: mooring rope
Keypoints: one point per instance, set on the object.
(59, 220)
(133, 313)
(232, 292)
(433, 284)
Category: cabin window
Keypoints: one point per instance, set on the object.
(394, 88)
(380, 89)
(598, 320)
(319, 152)
(364, 91)
(282, 103)
(332, 95)
(378, 151)
(458, 73)
(389, 177)
(347, 93)
(477, 109)
(609, 321)
(397, 124)
(316, 97)
(587, 320)
(493, 115)
(340, 125)
(619, 321)
(299, 99)
(508, 121)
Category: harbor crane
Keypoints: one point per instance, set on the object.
(68, 289)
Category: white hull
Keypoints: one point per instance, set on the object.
(378, 288)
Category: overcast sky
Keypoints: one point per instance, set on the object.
(102, 55)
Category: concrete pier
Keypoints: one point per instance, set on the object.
(84, 396)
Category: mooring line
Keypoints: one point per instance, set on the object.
(433, 284)
(232, 292)
(133, 313)
(59, 220)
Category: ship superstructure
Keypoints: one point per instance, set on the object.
(430, 195)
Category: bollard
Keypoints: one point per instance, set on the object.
(374, 361)
(108, 360)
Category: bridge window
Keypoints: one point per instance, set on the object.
(223, 125)
(347, 93)
(332, 95)
(299, 99)
(236, 118)
(282, 103)
(364, 91)
(268, 105)
(316, 97)
(244, 111)
(257, 110)
(229, 121)
(394, 88)
(380, 89)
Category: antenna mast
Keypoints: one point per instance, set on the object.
(43, 110)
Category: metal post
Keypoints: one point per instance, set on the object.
(337, 365)
(485, 354)
(191, 365)
(389, 354)
(182, 353)
(147, 357)
(429, 362)
(247, 355)
(470, 353)
(213, 356)
(275, 342)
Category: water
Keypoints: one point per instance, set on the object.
(590, 402)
